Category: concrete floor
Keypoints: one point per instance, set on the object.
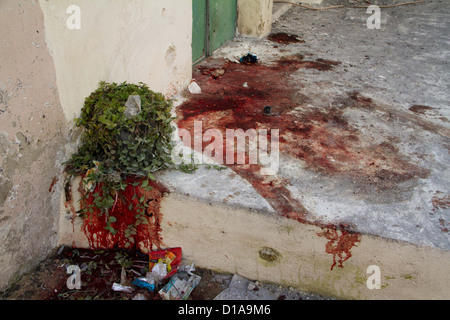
(395, 181)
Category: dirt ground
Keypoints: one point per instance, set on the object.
(101, 268)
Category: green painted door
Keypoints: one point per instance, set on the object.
(214, 23)
(199, 27)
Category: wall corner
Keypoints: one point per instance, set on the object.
(254, 18)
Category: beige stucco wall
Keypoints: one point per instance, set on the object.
(255, 16)
(119, 40)
(46, 72)
(33, 132)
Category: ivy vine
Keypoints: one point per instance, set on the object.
(138, 145)
(114, 146)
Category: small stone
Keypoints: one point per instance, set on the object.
(133, 106)
(139, 296)
(194, 88)
(251, 286)
(216, 74)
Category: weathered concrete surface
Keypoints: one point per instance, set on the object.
(412, 146)
(33, 132)
(401, 65)
(365, 146)
(244, 289)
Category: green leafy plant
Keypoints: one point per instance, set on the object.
(114, 147)
(138, 145)
(123, 259)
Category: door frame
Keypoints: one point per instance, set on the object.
(206, 52)
(207, 49)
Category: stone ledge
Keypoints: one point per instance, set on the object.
(234, 239)
(230, 239)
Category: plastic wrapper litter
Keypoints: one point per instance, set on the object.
(180, 286)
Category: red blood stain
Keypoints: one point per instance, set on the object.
(227, 104)
(441, 201)
(340, 242)
(52, 185)
(147, 235)
(284, 38)
(274, 191)
(420, 108)
(321, 137)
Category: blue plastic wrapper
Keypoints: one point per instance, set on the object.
(143, 284)
(249, 59)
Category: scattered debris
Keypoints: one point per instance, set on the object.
(241, 288)
(121, 288)
(180, 286)
(187, 267)
(249, 59)
(123, 277)
(252, 286)
(164, 264)
(216, 74)
(194, 88)
(60, 250)
(159, 272)
(145, 283)
(139, 296)
(166, 261)
(102, 273)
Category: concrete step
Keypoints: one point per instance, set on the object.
(261, 245)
